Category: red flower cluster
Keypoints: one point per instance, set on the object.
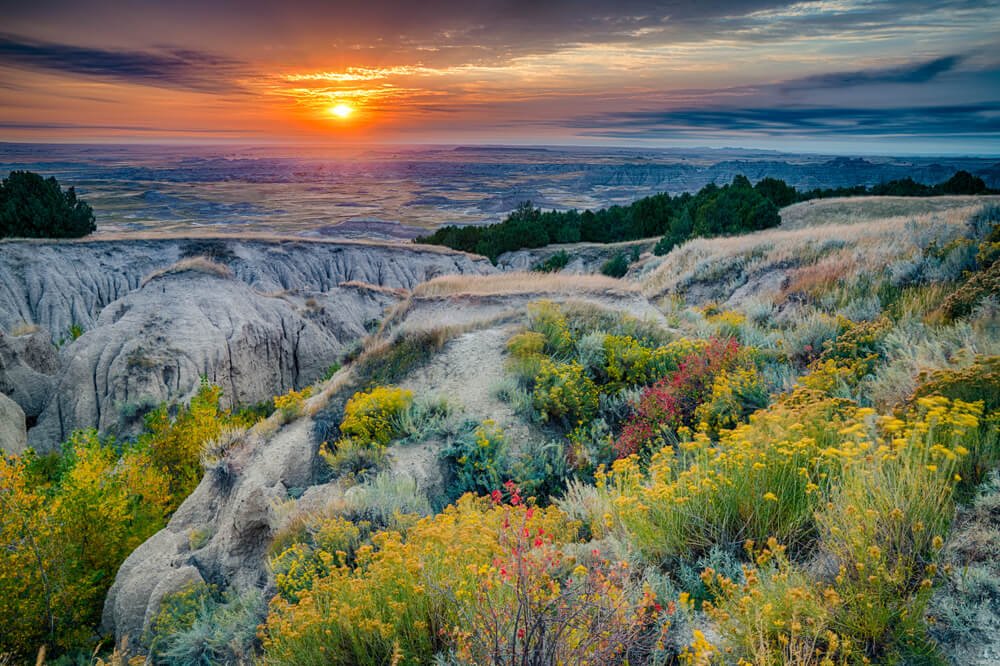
(512, 492)
(671, 402)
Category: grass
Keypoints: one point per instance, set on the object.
(201, 264)
(861, 210)
(816, 255)
(24, 328)
(522, 283)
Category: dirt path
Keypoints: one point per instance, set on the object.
(466, 372)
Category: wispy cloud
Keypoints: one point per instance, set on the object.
(921, 72)
(957, 120)
(169, 68)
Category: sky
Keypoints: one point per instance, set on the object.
(856, 76)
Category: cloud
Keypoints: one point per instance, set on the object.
(13, 124)
(167, 68)
(834, 104)
(954, 120)
(909, 73)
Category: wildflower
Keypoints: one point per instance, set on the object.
(771, 497)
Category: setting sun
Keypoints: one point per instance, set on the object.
(341, 110)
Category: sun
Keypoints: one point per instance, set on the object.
(341, 111)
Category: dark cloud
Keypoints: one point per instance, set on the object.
(769, 110)
(956, 120)
(910, 73)
(439, 31)
(170, 68)
(15, 125)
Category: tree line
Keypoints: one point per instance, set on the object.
(714, 210)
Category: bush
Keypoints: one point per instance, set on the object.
(546, 318)
(532, 606)
(290, 404)
(979, 381)
(372, 417)
(65, 528)
(388, 364)
(200, 626)
(542, 470)
(749, 484)
(616, 267)
(735, 395)
(477, 461)
(553, 263)
(404, 596)
(564, 394)
(352, 460)
(36, 207)
(882, 525)
(175, 445)
(779, 615)
(671, 402)
(388, 501)
(961, 302)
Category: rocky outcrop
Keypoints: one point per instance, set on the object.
(222, 532)
(156, 343)
(256, 318)
(28, 365)
(13, 437)
(60, 284)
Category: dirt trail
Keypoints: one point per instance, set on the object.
(466, 372)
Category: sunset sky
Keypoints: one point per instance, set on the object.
(915, 76)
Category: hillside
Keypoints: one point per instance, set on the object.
(777, 447)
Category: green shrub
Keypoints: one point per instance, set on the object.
(979, 381)
(736, 394)
(35, 207)
(546, 317)
(353, 460)
(627, 362)
(961, 302)
(553, 263)
(389, 364)
(616, 267)
(521, 400)
(542, 470)
(388, 501)
(477, 461)
(425, 418)
(199, 626)
(331, 371)
(591, 355)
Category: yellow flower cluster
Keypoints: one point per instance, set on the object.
(759, 479)
(400, 591)
(564, 392)
(369, 417)
(735, 395)
(290, 404)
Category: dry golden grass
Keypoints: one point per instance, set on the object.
(522, 283)
(824, 272)
(823, 252)
(192, 264)
(856, 210)
(368, 286)
(24, 328)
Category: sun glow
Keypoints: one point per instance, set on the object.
(341, 111)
